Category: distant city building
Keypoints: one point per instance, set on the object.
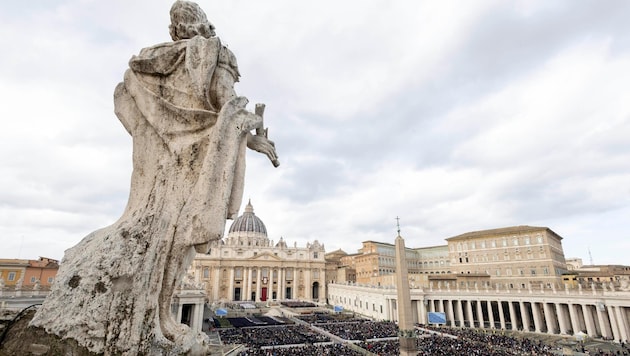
(29, 274)
(586, 275)
(247, 266)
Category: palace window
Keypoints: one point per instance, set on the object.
(11, 276)
(206, 272)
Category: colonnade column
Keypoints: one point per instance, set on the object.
(604, 322)
(512, 316)
(422, 312)
(621, 323)
(180, 307)
(549, 318)
(460, 312)
(591, 330)
(490, 314)
(536, 314)
(480, 314)
(562, 319)
(449, 310)
(501, 314)
(469, 311)
(524, 316)
(575, 322)
(613, 322)
(197, 317)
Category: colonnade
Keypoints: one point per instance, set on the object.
(596, 313)
(552, 317)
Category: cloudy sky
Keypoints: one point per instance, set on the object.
(455, 116)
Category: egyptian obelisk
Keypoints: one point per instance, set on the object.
(406, 334)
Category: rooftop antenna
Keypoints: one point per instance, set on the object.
(398, 225)
(590, 256)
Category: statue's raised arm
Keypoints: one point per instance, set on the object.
(189, 131)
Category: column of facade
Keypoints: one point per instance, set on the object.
(245, 283)
(537, 317)
(512, 316)
(231, 284)
(524, 316)
(284, 282)
(460, 312)
(591, 330)
(490, 314)
(549, 319)
(501, 314)
(431, 305)
(321, 295)
(449, 310)
(281, 278)
(216, 283)
(604, 323)
(258, 283)
(440, 305)
(471, 316)
(562, 319)
(622, 323)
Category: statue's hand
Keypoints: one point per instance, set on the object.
(263, 145)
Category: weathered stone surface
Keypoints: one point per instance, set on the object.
(113, 290)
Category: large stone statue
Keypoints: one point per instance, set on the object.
(190, 130)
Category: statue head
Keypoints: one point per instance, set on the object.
(188, 20)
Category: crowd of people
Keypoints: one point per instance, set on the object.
(308, 350)
(297, 304)
(321, 317)
(257, 337)
(361, 330)
(381, 338)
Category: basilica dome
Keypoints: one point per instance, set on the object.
(248, 223)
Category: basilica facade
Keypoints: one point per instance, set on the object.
(247, 266)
